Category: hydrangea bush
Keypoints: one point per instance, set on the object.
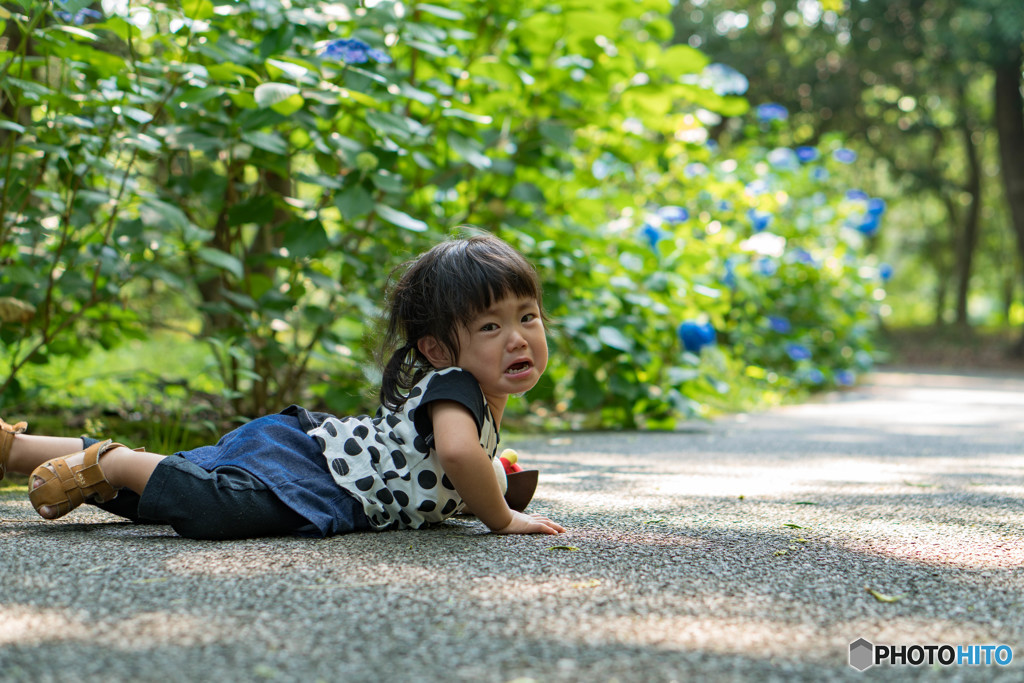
(257, 167)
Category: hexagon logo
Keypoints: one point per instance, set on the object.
(862, 654)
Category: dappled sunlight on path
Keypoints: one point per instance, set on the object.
(757, 546)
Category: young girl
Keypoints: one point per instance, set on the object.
(465, 330)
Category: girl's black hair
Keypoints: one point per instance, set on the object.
(436, 293)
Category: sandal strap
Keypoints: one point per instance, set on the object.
(90, 478)
(7, 433)
(16, 428)
(66, 488)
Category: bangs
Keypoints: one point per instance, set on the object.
(482, 272)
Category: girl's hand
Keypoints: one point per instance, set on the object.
(523, 523)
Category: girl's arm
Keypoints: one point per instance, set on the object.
(467, 465)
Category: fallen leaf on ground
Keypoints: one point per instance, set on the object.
(882, 597)
(563, 547)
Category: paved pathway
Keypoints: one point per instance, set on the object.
(742, 550)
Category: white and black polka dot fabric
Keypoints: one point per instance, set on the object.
(389, 463)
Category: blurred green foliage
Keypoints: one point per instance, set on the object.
(250, 172)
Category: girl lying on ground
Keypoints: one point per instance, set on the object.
(465, 330)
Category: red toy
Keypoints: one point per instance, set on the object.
(519, 485)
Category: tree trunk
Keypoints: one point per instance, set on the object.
(970, 228)
(1009, 115)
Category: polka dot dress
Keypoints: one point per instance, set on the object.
(389, 463)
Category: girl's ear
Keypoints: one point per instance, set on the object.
(434, 352)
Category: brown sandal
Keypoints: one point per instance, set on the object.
(7, 433)
(65, 487)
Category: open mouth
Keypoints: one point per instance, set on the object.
(518, 368)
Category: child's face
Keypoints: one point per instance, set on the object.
(505, 347)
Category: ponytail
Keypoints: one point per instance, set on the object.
(402, 371)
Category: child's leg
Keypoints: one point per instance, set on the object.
(226, 503)
(119, 467)
(29, 451)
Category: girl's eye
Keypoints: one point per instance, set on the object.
(529, 317)
(489, 327)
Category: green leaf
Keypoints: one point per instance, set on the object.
(227, 71)
(289, 106)
(396, 217)
(469, 149)
(197, 9)
(222, 260)
(442, 12)
(251, 210)
(882, 597)
(589, 391)
(570, 548)
(268, 142)
(295, 71)
(401, 127)
(75, 31)
(158, 214)
(614, 338)
(682, 59)
(354, 202)
(304, 239)
(135, 114)
(269, 94)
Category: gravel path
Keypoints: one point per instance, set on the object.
(741, 550)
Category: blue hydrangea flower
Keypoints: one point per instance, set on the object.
(856, 195)
(652, 236)
(844, 155)
(79, 17)
(802, 256)
(780, 324)
(729, 275)
(379, 56)
(885, 272)
(695, 169)
(783, 158)
(759, 220)
(815, 376)
(868, 225)
(767, 266)
(798, 352)
(695, 335)
(757, 187)
(876, 206)
(772, 111)
(354, 51)
(845, 378)
(807, 154)
(820, 174)
(724, 79)
(673, 214)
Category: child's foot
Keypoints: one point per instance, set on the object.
(60, 485)
(7, 433)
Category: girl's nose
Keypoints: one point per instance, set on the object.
(516, 340)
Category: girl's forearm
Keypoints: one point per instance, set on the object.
(473, 477)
